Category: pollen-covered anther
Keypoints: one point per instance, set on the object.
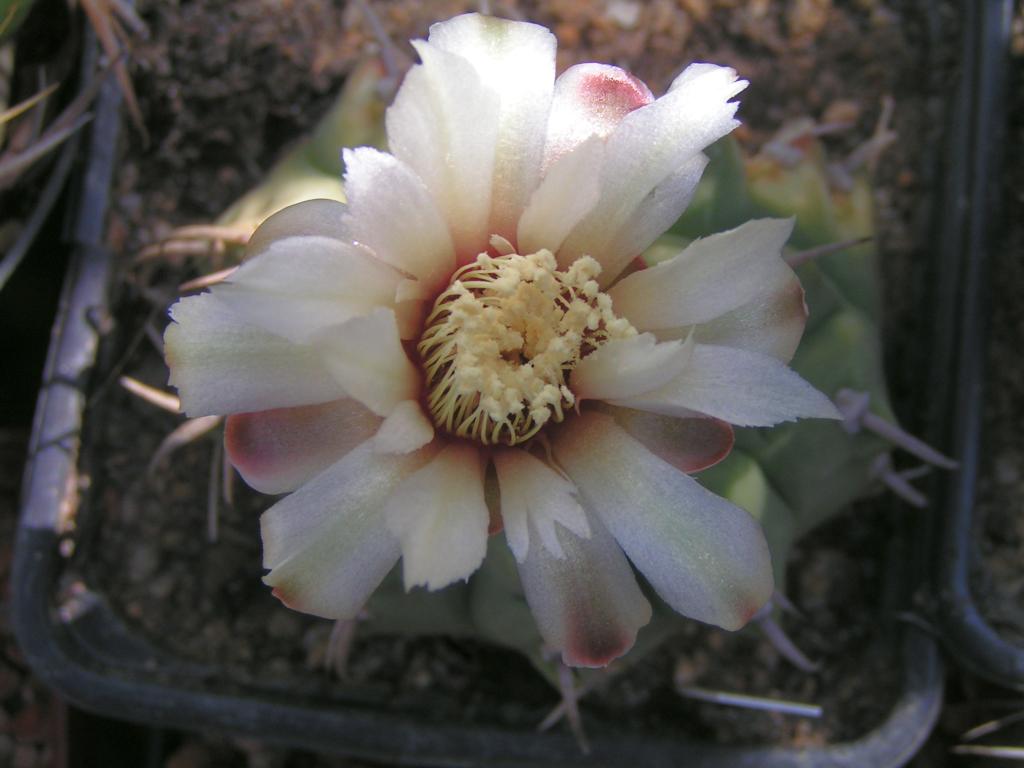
(502, 339)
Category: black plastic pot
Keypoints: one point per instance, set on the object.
(964, 245)
(83, 649)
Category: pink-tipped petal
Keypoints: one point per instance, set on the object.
(712, 276)
(278, 450)
(222, 364)
(624, 368)
(654, 155)
(406, 429)
(587, 604)
(328, 544)
(590, 100)
(707, 558)
(391, 211)
(688, 444)
(569, 190)
(745, 388)
(366, 357)
(441, 519)
(535, 500)
(516, 61)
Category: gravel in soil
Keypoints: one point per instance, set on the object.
(226, 86)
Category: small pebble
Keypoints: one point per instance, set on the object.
(699, 9)
(626, 13)
(807, 18)
(841, 111)
(162, 586)
(1007, 470)
(142, 563)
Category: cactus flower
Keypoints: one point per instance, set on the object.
(465, 347)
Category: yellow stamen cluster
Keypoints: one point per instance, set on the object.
(502, 339)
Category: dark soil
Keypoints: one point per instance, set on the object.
(31, 717)
(224, 87)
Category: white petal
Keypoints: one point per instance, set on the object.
(318, 218)
(221, 364)
(569, 190)
(773, 323)
(366, 357)
(659, 144)
(688, 444)
(623, 368)
(276, 451)
(444, 125)
(328, 543)
(533, 499)
(299, 285)
(706, 558)
(712, 276)
(745, 388)
(656, 213)
(516, 60)
(391, 211)
(590, 100)
(587, 603)
(440, 517)
(406, 429)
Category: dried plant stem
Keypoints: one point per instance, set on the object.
(11, 167)
(339, 646)
(107, 30)
(389, 52)
(47, 199)
(206, 280)
(1004, 753)
(27, 104)
(570, 698)
(856, 416)
(185, 433)
(802, 257)
(560, 709)
(151, 395)
(992, 726)
(777, 636)
(749, 702)
(898, 482)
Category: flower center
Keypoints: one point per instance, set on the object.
(501, 340)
